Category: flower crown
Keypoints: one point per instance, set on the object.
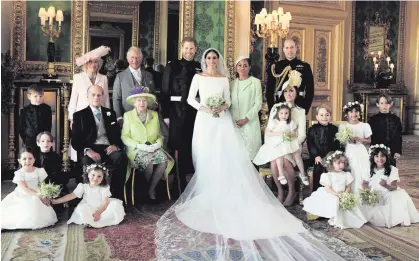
(95, 165)
(351, 104)
(275, 108)
(329, 159)
(378, 146)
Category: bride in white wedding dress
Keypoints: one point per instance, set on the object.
(227, 209)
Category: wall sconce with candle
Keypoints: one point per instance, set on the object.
(383, 70)
(52, 30)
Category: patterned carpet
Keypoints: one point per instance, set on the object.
(133, 239)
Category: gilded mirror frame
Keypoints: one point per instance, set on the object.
(379, 23)
(18, 44)
(113, 12)
(399, 85)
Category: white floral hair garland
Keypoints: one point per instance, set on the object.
(275, 109)
(329, 159)
(351, 104)
(94, 165)
(378, 146)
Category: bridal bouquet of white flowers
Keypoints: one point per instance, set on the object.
(369, 197)
(347, 201)
(214, 102)
(344, 134)
(48, 190)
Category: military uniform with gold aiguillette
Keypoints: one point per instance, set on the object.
(278, 75)
(176, 83)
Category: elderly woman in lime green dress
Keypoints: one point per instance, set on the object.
(246, 102)
(143, 139)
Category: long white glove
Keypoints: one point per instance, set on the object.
(144, 147)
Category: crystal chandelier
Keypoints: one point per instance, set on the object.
(272, 25)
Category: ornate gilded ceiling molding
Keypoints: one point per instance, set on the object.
(156, 48)
(18, 44)
(186, 20)
(229, 36)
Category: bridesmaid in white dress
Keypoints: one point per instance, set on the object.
(276, 147)
(356, 150)
(227, 206)
(324, 202)
(91, 63)
(395, 206)
(96, 209)
(24, 208)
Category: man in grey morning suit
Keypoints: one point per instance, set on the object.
(132, 77)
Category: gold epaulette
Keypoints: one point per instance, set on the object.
(280, 77)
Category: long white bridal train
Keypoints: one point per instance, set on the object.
(227, 208)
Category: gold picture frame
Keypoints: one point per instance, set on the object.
(18, 44)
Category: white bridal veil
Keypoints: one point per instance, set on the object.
(228, 213)
(221, 66)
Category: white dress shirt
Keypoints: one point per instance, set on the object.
(137, 74)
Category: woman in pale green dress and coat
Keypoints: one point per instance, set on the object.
(246, 102)
(143, 140)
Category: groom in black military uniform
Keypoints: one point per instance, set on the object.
(278, 74)
(177, 113)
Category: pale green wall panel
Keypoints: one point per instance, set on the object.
(209, 26)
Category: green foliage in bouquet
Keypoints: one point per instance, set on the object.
(214, 102)
(48, 190)
(286, 135)
(344, 134)
(347, 201)
(369, 197)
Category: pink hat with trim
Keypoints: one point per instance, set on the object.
(92, 55)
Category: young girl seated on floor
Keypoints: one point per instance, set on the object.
(394, 205)
(96, 209)
(324, 202)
